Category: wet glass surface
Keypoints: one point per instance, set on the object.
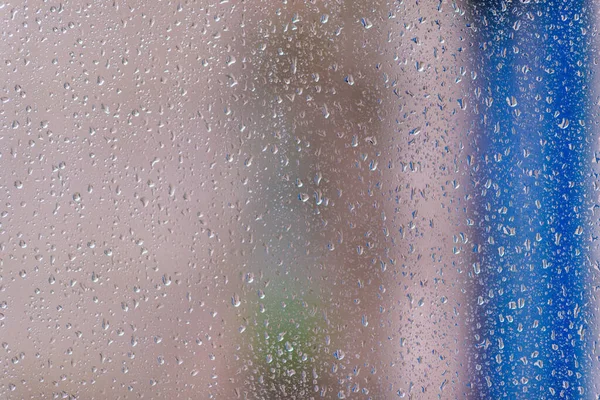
(299, 199)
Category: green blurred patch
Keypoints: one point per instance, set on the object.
(287, 339)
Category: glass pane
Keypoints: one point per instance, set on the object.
(298, 199)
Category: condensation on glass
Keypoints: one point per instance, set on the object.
(298, 199)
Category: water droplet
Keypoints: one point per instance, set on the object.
(364, 321)
(235, 300)
(303, 197)
(511, 101)
(564, 123)
(230, 60)
(415, 131)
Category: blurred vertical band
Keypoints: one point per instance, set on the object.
(531, 309)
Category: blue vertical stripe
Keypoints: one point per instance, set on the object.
(529, 264)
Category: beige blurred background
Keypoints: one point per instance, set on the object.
(175, 172)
